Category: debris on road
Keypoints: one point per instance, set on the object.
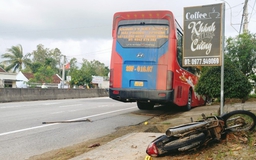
(94, 145)
(83, 120)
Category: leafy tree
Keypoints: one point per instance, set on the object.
(73, 66)
(80, 77)
(53, 63)
(34, 67)
(56, 55)
(43, 72)
(84, 75)
(100, 68)
(40, 54)
(242, 52)
(2, 66)
(73, 63)
(95, 68)
(236, 84)
(15, 58)
(43, 75)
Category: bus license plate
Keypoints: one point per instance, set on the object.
(138, 84)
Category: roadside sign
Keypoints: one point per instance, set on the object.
(203, 35)
(97, 79)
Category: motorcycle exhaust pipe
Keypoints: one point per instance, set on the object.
(184, 128)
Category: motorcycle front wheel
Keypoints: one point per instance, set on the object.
(239, 120)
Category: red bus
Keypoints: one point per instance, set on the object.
(146, 61)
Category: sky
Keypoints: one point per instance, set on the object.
(82, 28)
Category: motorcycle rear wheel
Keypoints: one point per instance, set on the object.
(239, 120)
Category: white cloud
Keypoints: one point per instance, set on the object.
(82, 28)
(90, 49)
(93, 49)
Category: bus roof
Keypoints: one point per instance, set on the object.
(134, 15)
(155, 14)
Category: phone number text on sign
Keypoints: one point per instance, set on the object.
(202, 61)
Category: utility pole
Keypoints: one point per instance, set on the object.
(63, 72)
(245, 21)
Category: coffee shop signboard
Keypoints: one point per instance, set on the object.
(203, 35)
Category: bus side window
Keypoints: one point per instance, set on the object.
(180, 53)
(179, 48)
(191, 69)
(179, 56)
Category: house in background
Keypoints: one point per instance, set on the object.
(7, 80)
(25, 77)
(100, 82)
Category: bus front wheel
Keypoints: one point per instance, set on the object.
(145, 105)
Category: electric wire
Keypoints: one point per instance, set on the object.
(252, 11)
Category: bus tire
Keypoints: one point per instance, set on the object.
(188, 105)
(145, 105)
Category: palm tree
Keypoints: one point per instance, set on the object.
(15, 58)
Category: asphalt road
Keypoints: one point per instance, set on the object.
(23, 135)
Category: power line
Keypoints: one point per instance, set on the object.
(238, 5)
(231, 24)
(252, 10)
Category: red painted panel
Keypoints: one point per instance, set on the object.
(161, 77)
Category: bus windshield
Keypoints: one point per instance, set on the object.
(143, 35)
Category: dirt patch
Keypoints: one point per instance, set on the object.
(239, 145)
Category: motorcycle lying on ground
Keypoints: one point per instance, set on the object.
(195, 134)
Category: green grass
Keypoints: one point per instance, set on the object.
(252, 96)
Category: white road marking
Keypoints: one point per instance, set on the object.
(31, 103)
(75, 110)
(104, 105)
(25, 129)
(100, 114)
(47, 125)
(11, 107)
(70, 105)
(100, 98)
(59, 112)
(47, 104)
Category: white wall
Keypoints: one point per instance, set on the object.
(104, 84)
(10, 77)
(21, 80)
